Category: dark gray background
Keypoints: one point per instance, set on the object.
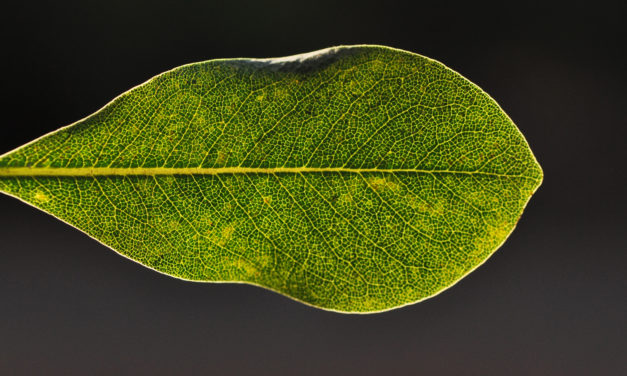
(551, 301)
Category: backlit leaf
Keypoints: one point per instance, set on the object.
(355, 179)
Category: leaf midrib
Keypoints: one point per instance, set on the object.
(170, 171)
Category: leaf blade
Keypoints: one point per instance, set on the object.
(330, 178)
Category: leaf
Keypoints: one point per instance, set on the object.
(354, 179)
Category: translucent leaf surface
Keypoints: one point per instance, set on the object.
(355, 179)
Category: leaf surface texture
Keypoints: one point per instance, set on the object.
(355, 179)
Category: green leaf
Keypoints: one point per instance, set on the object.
(355, 179)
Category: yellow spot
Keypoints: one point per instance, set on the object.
(377, 65)
(346, 198)
(437, 208)
(415, 203)
(264, 260)
(352, 86)
(261, 97)
(370, 303)
(491, 237)
(281, 93)
(221, 158)
(381, 183)
(267, 200)
(246, 267)
(501, 233)
(174, 225)
(227, 232)
(41, 197)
